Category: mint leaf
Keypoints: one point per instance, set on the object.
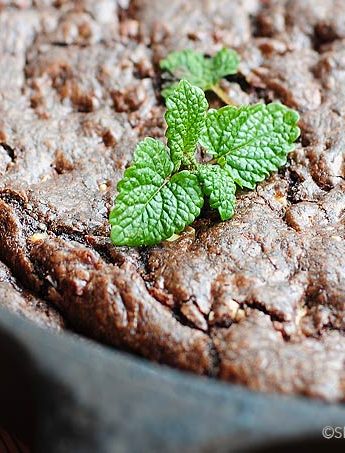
(250, 141)
(185, 117)
(152, 203)
(188, 65)
(218, 185)
(224, 63)
(198, 70)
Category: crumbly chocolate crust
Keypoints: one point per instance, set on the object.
(257, 300)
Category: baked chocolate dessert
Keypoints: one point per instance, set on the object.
(257, 300)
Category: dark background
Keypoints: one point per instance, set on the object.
(63, 393)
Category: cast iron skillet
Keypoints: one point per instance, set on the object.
(63, 393)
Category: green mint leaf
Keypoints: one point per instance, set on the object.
(218, 185)
(152, 203)
(185, 117)
(224, 63)
(250, 141)
(188, 65)
(198, 70)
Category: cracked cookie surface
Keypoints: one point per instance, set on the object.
(257, 300)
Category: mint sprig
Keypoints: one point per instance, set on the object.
(163, 190)
(200, 71)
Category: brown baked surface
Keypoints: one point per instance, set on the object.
(259, 299)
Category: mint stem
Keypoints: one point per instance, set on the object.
(222, 94)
